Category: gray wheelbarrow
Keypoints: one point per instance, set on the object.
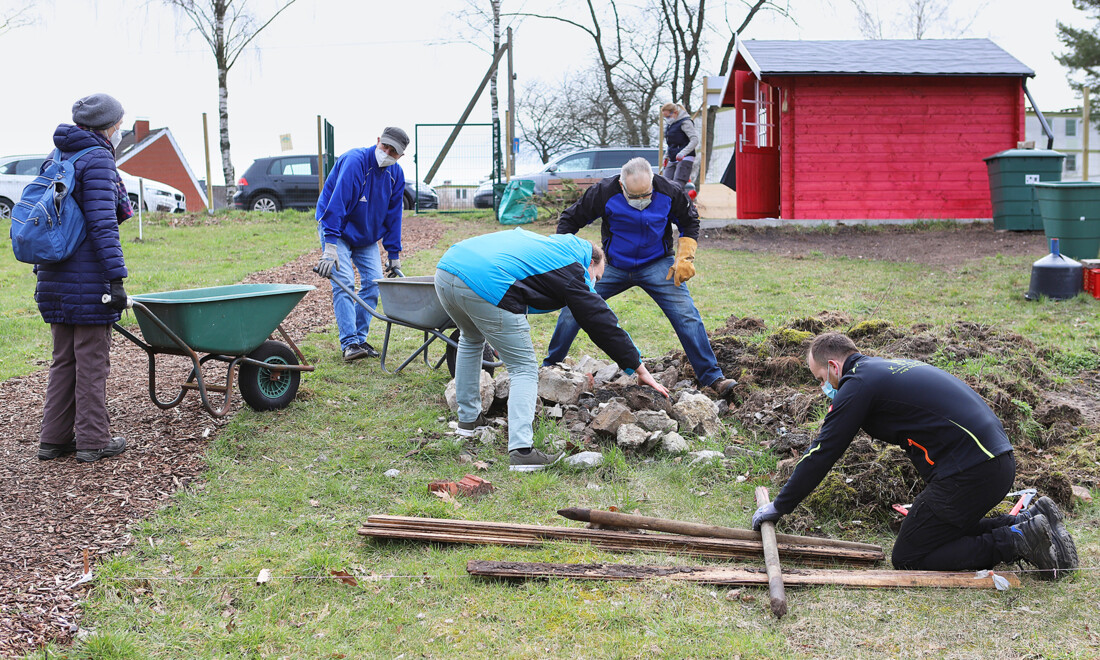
(411, 302)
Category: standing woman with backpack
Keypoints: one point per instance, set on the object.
(70, 293)
(681, 140)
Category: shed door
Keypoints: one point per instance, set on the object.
(757, 147)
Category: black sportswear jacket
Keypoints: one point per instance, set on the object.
(940, 422)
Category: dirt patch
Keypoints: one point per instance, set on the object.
(1054, 425)
(947, 248)
(50, 512)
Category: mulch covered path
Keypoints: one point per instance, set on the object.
(52, 511)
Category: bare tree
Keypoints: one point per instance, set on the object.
(227, 27)
(918, 19)
(16, 17)
(780, 7)
(544, 121)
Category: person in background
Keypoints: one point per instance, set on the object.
(360, 205)
(488, 284)
(958, 446)
(638, 211)
(681, 141)
(70, 293)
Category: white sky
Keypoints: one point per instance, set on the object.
(365, 64)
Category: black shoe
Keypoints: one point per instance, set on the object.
(1065, 550)
(372, 352)
(468, 429)
(1034, 544)
(115, 446)
(354, 352)
(48, 452)
(723, 386)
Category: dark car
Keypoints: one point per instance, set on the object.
(282, 182)
(594, 163)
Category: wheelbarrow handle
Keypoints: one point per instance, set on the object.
(107, 298)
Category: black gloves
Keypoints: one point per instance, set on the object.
(118, 296)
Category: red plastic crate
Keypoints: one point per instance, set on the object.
(1092, 281)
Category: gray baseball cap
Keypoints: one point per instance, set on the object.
(396, 138)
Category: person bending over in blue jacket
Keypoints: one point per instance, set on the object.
(360, 205)
(70, 293)
(488, 284)
(638, 211)
(958, 446)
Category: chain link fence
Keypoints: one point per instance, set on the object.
(471, 160)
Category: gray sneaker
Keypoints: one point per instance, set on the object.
(531, 460)
(115, 446)
(469, 429)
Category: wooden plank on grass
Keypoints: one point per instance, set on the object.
(732, 576)
(771, 559)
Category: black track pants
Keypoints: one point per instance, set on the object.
(946, 529)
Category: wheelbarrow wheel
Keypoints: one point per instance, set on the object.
(269, 389)
(487, 355)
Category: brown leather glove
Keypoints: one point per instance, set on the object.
(684, 267)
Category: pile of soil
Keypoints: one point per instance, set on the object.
(1053, 423)
(52, 511)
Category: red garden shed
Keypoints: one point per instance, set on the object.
(871, 129)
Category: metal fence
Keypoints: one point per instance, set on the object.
(471, 159)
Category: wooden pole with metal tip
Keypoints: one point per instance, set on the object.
(771, 559)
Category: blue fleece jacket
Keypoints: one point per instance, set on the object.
(361, 202)
(71, 291)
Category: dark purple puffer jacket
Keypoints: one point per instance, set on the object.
(71, 291)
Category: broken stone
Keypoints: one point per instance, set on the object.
(640, 397)
(1081, 493)
(487, 436)
(696, 414)
(674, 443)
(794, 441)
(652, 440)
(470, 486)
(391, 473)
(733, 451)
(585, 459)
(655, 420)
(488, 392)
(561, 386)
(631, 436)
(669, 377)
(554, 411)
(611, 417)
(589, 365)
(605, 374)
(705, 456)
(502, 385)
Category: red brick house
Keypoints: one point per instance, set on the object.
(154, 154)
(871, 129)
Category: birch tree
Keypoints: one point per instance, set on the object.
(227, 27)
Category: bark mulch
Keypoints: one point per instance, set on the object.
(52, 511)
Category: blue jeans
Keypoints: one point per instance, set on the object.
(674, 301)
(479, 321)
(352, 320)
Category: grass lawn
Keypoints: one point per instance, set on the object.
(285, 491)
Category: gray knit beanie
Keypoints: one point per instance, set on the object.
(98, 111)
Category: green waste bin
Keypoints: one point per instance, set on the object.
(1071, 213)
(1011, 175)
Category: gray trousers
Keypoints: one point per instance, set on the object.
(76, 396)
(679, 171)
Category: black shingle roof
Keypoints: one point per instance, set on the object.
(958, 57)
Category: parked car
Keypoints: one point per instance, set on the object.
(280, 182)
(18, 171)
(594, 163)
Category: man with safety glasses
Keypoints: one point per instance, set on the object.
(638, 211)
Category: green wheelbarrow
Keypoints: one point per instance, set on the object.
(231, 324)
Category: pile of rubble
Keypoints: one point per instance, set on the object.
(595, 401)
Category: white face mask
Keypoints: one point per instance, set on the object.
(116, 138)
(383, 158)
(640, 204)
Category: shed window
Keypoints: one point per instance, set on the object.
(1071, 127)
(758, 117)
(1071, 162)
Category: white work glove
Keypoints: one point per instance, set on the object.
(766, 513)
(393, 268)
(329, 261)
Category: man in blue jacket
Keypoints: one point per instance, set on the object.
(360, 205)
(638, 211)
(958, 446)
(488, 284)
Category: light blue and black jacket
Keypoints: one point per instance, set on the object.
(523, 272)
(943, 425)
(633, 238)
(361, 202)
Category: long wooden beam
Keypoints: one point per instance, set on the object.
(630, 521)
(771, 559)
(732, 576)
(496, 533)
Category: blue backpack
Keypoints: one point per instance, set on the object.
(47, 225)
